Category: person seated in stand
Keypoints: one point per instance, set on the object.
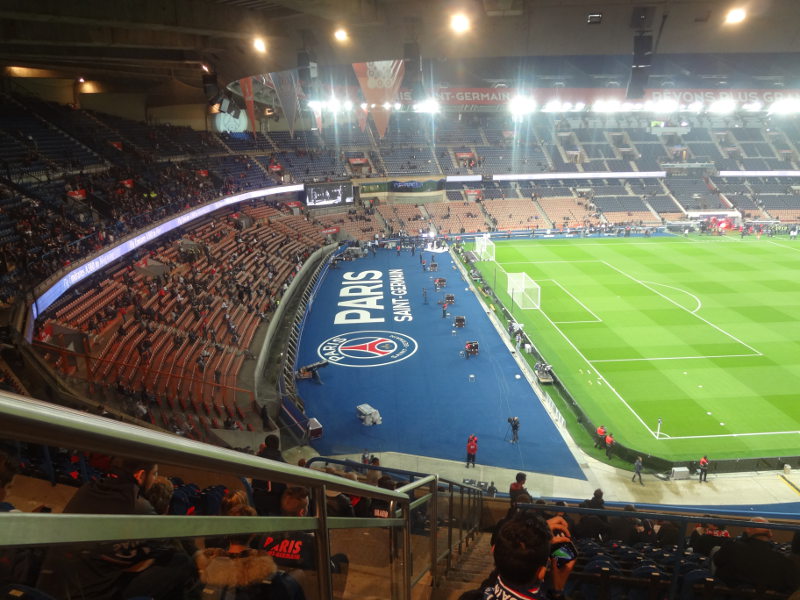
(105, 570)
(295, 550)
(754, 560)
(522, 554)
(239, 572)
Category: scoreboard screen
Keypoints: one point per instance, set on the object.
(329, 194)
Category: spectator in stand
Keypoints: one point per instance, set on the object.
(374, 475)
(295, 550)
(105, 571)
(707, 536)
(512, 512)
(239, 572)
(754, 560)
(596, 501)
(267, 494)
(624, 529)
(521, 557)
(518, 487)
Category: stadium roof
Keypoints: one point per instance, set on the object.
(141, 42)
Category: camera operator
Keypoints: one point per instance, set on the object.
(514, 423)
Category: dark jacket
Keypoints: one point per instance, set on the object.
(94, 571)
(755, 562)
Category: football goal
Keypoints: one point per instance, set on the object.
(524, 291)
(484, 248)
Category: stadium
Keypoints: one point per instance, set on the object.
(310, 262)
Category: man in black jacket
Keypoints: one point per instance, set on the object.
(753, 560)
(119, 569)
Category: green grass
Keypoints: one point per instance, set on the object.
(674, 328)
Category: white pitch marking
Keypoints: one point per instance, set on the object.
(722, 435)
(608, 360)
(706, 321)
(677, 289)
(600, 375)
(583, 306)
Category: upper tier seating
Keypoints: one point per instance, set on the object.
(515, 213)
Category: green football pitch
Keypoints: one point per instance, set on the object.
(700, 332)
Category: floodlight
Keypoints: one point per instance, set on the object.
(695, 107)
(459, 23)
(785, 106)
(314, 105)
(364, 106)
(387, 105)
(260, 45)
(552, 106)
(579, 106)
(334, 105)
(665, 105)
(735, 15)
(723, 106)
(753, 106)
(431, 106)
(348, 105)
(607, 106)
(397, 106)
(341, 35)
(521, 105)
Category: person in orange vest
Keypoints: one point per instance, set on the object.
(600, 442)
(609, 443)
(472, 450)
(704, 469)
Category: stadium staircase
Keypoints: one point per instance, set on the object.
(544, 214)
(473, 566)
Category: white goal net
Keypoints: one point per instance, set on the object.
(524, 291)
(484, 248)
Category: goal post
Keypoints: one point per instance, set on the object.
(484, 248)
(524, 291)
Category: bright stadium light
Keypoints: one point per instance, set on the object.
(387, 105)
(607, 106)
(579, 106)
(520, 106)
(665, 105)
(260, 45)
(723, 106)
(695, 107)
(364, 106)
(348, 105)
(315, 105)
(334, 105)
(785, 106)
(735, 15)
(754, 106)
(552, 106)
(397, 106)
(430, 106)
(341, 35)
(459, 23)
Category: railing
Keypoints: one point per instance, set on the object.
(401, 549)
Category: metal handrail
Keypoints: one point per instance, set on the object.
(29, 420)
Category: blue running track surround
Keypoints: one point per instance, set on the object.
(389, 349)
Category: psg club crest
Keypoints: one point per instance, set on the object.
(367, 348)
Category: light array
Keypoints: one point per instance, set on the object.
(520, 106)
